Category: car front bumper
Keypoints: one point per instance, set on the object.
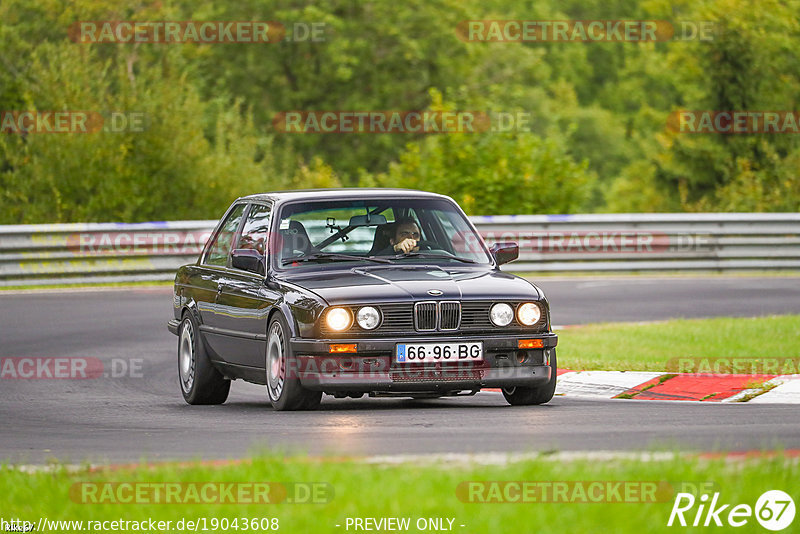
(172, 326)
(373, 366)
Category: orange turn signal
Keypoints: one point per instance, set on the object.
(530, 344)
(342, 347)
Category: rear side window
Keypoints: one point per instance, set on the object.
(220, 248)
(256, 229)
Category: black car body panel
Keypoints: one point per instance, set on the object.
(412, 282)
(233, 309)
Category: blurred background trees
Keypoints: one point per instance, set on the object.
(598, 139)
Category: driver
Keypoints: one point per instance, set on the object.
(406, 237)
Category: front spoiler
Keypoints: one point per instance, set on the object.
(173, 325)
(498, 377)
(372, 346)
(373, 368)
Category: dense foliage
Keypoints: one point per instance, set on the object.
(598, 137)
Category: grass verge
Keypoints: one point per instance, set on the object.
(359, 490)
(650, 346)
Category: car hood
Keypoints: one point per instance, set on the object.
(400, 283)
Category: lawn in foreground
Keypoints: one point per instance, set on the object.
(436, 489)
(650, 346)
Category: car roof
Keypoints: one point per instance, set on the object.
(341, 193)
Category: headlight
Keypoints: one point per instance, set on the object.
(368, 317)
(501, 314)
(338, 319)
(529, 314)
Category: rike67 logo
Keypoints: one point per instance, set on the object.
(774, 510)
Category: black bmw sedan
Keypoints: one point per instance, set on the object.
(385, 292)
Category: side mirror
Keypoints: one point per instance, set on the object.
(504, 252)
(248, 259)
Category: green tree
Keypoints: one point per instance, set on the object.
(493, 173)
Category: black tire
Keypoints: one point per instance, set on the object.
(520, 396)
(283, 385)
(200, 382)
(313, 400)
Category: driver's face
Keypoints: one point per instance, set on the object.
(407, 231)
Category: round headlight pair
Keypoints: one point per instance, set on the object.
(340, 319)
(528, 314)
(368, 317)
(501, 314)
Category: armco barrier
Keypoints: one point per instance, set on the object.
(104, 252)
(98, 252)
(647, 242)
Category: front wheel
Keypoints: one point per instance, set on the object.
(200, 382)
(519, 396)
(283, 383)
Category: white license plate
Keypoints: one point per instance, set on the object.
(438, 352)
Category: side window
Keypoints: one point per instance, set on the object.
(256, 228)
(221, 246)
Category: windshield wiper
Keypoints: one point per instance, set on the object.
(334, 256)
(435, 255)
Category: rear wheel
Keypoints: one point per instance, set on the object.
(519, 396)
(200, 382)
(283, 383)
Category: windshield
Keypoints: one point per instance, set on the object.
(376, 231)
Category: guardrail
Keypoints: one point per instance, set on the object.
(117, 252)
(648, 242)
(44, 254)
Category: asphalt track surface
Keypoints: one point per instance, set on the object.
(144, 417)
